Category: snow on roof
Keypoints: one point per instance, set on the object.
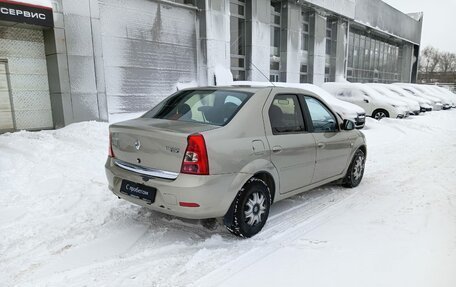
(418, 16)
(342, 106)
(334, 86)
(43, 3)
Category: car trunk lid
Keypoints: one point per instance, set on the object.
(153, 143)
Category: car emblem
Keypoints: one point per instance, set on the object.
(137, 144)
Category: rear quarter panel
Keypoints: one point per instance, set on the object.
(230, 148)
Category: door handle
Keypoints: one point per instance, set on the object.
(276, 149)
(320, 145)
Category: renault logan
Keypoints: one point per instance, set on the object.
(231, 152)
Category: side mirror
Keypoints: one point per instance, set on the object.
(348, 125)
(366, 100)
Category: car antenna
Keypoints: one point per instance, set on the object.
(262, 73)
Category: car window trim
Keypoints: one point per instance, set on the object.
(302, 97)
(306, 126)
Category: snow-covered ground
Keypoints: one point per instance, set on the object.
(61, 226)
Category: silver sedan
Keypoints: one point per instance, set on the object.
(231, 152)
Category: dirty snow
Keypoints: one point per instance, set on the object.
(61, 226)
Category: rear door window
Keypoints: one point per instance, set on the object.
(215, 107)
(285, 115)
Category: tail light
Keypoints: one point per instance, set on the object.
(110, 151)
(195, 159)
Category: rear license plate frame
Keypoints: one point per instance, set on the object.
(141, 191)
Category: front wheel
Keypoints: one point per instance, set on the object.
(380, 114)
(251, 209)
(355, 171)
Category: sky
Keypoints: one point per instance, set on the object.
(439, 21)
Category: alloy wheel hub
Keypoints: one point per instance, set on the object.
(358, 169)
(254, 208)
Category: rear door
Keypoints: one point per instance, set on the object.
(293, 150)
(333, 145)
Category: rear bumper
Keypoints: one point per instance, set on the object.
(213, 193)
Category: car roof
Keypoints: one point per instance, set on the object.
(249, 89)
(253, 87)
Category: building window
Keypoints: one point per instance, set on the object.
(305, 30)
(372, 58)
(237, 39)
(305, 44)
(330, 60)
(185, 2)
(276, 21)
(303, 74)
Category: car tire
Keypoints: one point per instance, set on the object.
(380, 114)
(250, 209)
(355, 171)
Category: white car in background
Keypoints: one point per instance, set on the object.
(375, 105)
(413, 105)
(447, 103)
(440, 94)
(446, 92)
(346, 110)
(425, 104)
(437, 104)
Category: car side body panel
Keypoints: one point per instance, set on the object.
(238, 151)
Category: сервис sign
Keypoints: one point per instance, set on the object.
(26, 13)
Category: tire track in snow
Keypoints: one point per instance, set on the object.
(286, 227)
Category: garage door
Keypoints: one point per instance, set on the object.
(22, 51)
(148, 47)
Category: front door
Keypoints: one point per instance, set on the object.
(6, 113)
(292, 146)
(333, 145)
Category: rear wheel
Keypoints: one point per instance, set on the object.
(355, 171)
(380, 114)
(250, 209)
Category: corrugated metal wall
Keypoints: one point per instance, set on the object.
(148, 47)
(23, 50)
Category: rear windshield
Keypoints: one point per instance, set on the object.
(215, 107)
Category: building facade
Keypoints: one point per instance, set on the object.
(65, 61)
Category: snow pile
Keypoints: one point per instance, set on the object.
(61, 225)
(186, 85)
(223, 76)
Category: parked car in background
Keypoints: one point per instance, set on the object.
(413, 105)
(440, 93)
(437, 104)
(446, 92)
(231, 152)
(446, 101)
(346, 110)
(375, 105)
(425, 104)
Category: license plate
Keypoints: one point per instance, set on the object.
(138, 190)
